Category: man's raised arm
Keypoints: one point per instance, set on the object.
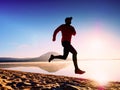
(55, 33)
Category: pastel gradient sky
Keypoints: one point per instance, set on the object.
(27, 26)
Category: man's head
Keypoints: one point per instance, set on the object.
(68, 20)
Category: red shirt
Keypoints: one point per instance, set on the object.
(67, 32)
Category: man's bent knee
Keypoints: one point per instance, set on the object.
(64, 57)
(75, 53)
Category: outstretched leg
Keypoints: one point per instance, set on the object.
(74, 57)
(77, 70)
(64, 56)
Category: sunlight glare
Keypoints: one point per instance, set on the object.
(101, 78)
(96, 44)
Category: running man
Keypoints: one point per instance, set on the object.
(67, 31)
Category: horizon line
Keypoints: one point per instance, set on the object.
(66, 59)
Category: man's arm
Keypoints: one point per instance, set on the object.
(55, 33)
(74, 31)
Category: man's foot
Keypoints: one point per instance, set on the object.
(78, 71)
(51, 58)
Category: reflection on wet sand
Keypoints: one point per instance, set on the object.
(50, 67)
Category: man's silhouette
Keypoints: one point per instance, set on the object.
(67, 31)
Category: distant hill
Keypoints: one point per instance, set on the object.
(46, 56)
(42, 58)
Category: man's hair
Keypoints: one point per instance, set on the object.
(68, 18)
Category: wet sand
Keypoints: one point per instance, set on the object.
(50, 67)
(17, 80)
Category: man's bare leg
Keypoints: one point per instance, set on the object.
(77, 70)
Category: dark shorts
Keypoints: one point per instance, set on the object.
(68, 47)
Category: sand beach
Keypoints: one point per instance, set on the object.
(18, 80)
